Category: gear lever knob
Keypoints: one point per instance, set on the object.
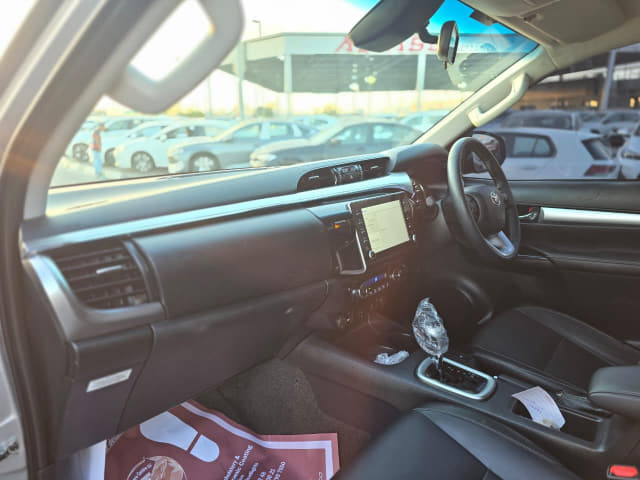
(429, 330)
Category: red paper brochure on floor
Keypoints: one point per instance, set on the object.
(190, 442)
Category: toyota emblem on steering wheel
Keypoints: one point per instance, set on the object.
(494, 198)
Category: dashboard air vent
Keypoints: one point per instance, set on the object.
(374, 168)
(102, 275)
(320, 178)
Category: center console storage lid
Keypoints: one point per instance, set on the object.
(617, 389)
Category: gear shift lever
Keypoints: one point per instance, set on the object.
(445, 373)
(430, 332)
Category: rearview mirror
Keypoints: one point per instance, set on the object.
(391, 22)
(448, 43)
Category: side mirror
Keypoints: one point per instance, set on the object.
(448, 40)
(616, 140)
(163, 137)
(335, 142)
(494, 143)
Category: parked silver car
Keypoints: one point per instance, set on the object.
(233, 147)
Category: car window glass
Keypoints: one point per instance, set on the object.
(118, 125)
(196, 131)
(616, 117)
(279, 130)
(597, 149)
(383, 132)
(542, 147)
(352, 135)
(523, 146)
(248, 132)
(149, 131)
(182, 132)
(211, 131)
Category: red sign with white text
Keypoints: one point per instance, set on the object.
(190, 442)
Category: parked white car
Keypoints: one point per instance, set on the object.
(116, 131)
(423, 121)
(556, 119)
(629, 156)
(147, 129)
(617, 121)
(591, 119)
(145, 154)
(549, 153)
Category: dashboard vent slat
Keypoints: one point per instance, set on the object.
(102, 275)
(374, 168)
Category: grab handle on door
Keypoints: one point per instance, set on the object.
(519, 86)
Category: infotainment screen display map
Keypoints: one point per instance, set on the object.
(385, 225)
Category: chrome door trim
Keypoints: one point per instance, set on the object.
(590, 217)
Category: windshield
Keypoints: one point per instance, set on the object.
(295, 75)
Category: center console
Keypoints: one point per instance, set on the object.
(374, 242)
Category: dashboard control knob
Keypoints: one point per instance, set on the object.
(371, 254)
(356, 293)
(398, 273)
(414, 238)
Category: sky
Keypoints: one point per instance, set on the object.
(13, 13)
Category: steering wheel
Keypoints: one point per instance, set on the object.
(486, 214)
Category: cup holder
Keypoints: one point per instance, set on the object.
(577, 424)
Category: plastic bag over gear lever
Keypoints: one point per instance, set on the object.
(430, 333)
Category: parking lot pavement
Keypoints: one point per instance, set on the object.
(70, 172)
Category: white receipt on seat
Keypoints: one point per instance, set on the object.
(541, 407)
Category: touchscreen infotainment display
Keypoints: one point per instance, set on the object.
(385, 225)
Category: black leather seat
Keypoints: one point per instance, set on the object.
(548, 348)
(447, 442)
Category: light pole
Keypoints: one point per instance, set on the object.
(259, 23)
(260, 92)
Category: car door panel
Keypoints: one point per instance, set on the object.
(582, 251)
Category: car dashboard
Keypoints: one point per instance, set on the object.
(144, 295)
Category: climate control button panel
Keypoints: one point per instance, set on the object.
(380, 282)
